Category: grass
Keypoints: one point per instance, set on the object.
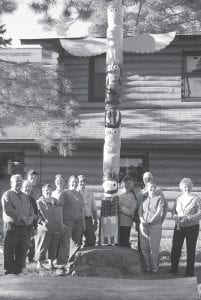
(164, 266)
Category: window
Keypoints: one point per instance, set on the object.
(97, 67)
(134, 167)
(10, 164)
(191, 81)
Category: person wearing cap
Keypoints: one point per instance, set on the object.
(90, 212)
(18, 217)
(32, 177)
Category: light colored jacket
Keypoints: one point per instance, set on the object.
(192, 210)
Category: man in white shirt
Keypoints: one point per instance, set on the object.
(90, 211)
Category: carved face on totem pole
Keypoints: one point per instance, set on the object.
(112, 139)
(113, 77)
(112, 117)
(114, 14)
(110, 186)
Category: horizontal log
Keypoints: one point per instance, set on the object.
(75, 60)
(157, 83)
(75, 73)
(140, 96)
(70, 67)
(80, 97)
(73, 169)
(149, 65)
(136, 77)
(176, 162)
(76, 78)
(153, 90)
(80, 92)
(154, 72)
(154, 57)
(82, 162)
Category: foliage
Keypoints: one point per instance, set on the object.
(3, 42)
(29, 93)
(6, 6)
(155, 16)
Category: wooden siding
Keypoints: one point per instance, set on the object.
(148, 79)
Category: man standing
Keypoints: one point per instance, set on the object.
(32, 177)
(34, 195)
(18, 215)
(90, 211)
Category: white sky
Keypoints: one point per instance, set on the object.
(23, 24)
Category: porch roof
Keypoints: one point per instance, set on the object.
(138, 125)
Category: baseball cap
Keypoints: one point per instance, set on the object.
(31, 172)
(81, 177)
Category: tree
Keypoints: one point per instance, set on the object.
(150, 16)
(6, 6)
(34, 95)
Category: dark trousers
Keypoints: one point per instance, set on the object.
(15, 247)
(125, 236)
(191, 235)
(89, 233)
(31, 249)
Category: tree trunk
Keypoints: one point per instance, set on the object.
(112, 145)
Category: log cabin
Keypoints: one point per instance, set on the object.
(161, 113)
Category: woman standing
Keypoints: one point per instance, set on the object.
(150, 213)
(74, 219)
(187, 214)
(128, 204)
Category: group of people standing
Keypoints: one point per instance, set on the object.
(148, 209)
(46, 222)
(40, 222)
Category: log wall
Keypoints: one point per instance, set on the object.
(149, 79)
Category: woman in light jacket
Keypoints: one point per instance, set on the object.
(187, 214)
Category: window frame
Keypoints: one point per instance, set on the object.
(185, 75)
(145, 163)
(91, 97)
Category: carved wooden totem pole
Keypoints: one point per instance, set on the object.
(109, 221)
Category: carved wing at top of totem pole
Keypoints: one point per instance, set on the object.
(89, 46)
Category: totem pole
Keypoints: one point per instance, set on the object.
(109, 221)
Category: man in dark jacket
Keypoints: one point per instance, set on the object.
(18, 215)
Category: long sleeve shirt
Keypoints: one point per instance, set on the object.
(73, 205)
(143, 194)
(128, 204)
(15, 207)
(190, 208)
(89, 203)
(151, 209)
(50, 217)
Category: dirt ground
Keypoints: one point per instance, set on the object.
(48, 285)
